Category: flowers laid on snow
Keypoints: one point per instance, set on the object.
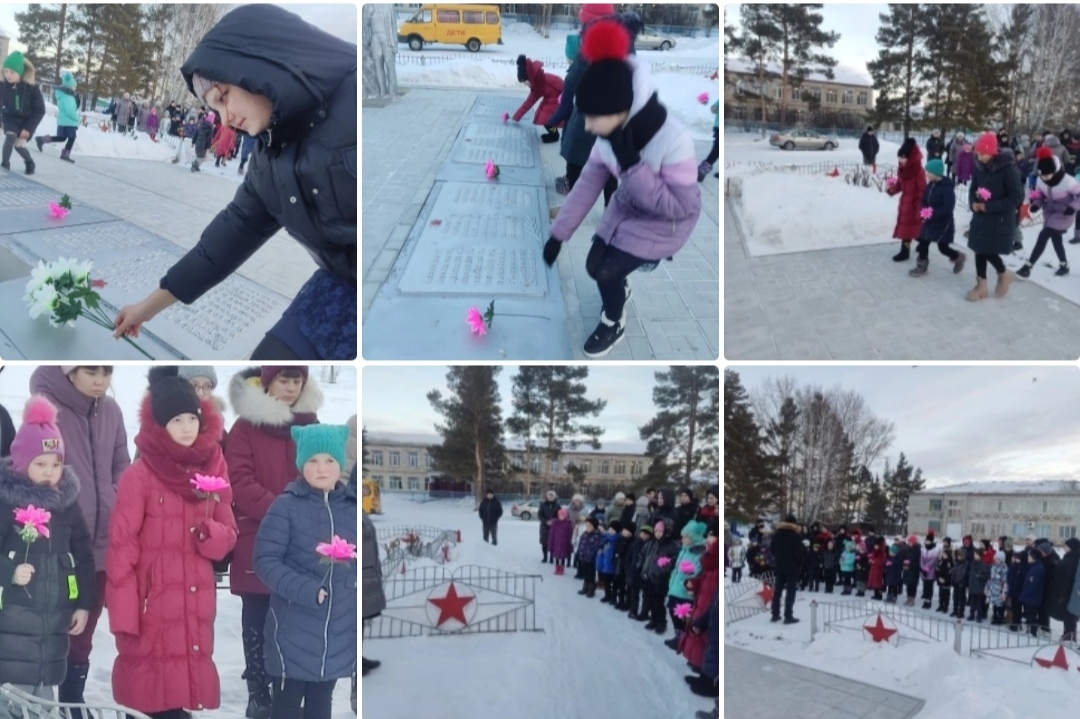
(64, 292)
(480, 323)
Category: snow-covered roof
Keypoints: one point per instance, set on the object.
(425, 440)
(1054, 486)
(842, 75)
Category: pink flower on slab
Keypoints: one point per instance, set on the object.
(476, 321)
(57, 211)
(703, 98)
(687, 567)
(890, 181)
(682, 611)
(663, 561)
(491, 169)
(983, 193)
(35, 522)
(337, 550)
(505, 117)
(926, 213)
(208, 484)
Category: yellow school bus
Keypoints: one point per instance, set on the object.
(372, 504)
(470, 25)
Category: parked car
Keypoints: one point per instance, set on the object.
(650, 39)
(526, 511)
(804, 140)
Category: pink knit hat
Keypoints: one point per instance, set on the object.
(38, 435)
(592, 11)
(987, 144)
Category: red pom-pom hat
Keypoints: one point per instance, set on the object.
(607, 86)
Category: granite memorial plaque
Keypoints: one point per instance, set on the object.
(495, 105)
(513, 147)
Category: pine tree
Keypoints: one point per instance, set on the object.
(800, 34)
(759, 42)
(1011, 44)
(42, 29)
(781, 454)
(902, 61)
(471, 431)
(904, 481)
(683, 435)
(744, 463)
(877, 506)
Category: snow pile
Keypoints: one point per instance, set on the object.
(587, 653)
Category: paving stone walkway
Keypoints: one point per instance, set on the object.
(854, 303)
(674, 312)
(757, 686)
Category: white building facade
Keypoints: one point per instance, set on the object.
(989, 510)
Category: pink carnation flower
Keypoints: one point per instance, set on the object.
(926, 213)
(983, 193)
(476, 321)
(682, 611)
(207, 484)
(663, 561)
(35, 522)
(57, 211)
(337, 550)
(703, 98)
(687, 567)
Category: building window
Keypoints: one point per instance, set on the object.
(1044, 505)
(620, 467)
(604, 467)
(534, 466)
(1020, 529)
(815, 93)
(414, 459)
(1066, 531)
(554, 466)
(831, 96)
(414, 484)
(934, 525)
(376, 457)
(935, 505)
(586, 466)
(999, 505)
(635, 468)
(780, 92)
(849, 97)
(379, 480)
(1042, 530)
(978, 529)
(395, 459)
(862, 99)
(395, 483)
(427, 461)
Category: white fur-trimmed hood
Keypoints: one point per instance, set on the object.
(251, 402)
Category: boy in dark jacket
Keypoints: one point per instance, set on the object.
(624, 539)
(21, 109)
(657, 562)
(490, 511)
(311, 629)
(50, 577)
(894, 574)
(813, 567)
(1031, 595)
(938, 203)
(978, 577)
(943, 575)
(960, 580)
(633, 574)
(588, 548)
(1018, 569)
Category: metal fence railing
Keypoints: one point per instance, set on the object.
(991, 641)
(426, 59)
(403, 542)
(848, 615)
(27, 706)
(743, 600)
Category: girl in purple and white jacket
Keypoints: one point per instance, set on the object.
(927, 568)
(658, 202)
(1057, 194)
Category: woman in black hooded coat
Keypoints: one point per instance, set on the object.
(1061, 589)
(293, 87)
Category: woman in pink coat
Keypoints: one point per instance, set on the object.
(546, 88)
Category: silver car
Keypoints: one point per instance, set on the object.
(526, 510)
(804, 140)
(650, 39)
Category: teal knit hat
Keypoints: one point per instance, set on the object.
(573, 43)
(320, 439)
(696, 532)
(68, 80)
(15, 63)
(936, 167)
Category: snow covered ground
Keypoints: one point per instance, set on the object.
(590, 662)
(679, 74)
(128, 385)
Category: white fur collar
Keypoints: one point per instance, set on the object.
(251, 402)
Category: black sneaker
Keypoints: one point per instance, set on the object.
(5, 165)
(791, 620)
(1075, 240)
(1024, 272)
(604, 338)
(1062, 270)
(774, 620)
(30, 168)
(562, 185)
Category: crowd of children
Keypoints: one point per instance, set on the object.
(82, 525)
(1010, 586)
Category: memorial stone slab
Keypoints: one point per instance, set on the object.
(28, 218)
(494, 106)
(512, 147)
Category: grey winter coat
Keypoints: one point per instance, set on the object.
(1059, 150)
(374, 600)
(979, 577)
(641, 511)
(992, 229)
(123, 111)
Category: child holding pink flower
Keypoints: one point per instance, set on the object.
(938, 203)
(657, 561)
(46, 584)
(305, 552)
(687, 566)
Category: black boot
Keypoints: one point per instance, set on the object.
(661, 628)
(41, 140)
(701, 686)
(591, 590)
(71, 689)
(260, 700)
(584, 591)
(904, 254)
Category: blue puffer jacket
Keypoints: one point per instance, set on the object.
(589, 546)
(305, 640)
(605, 560)
(940, 197)
(1032, 593)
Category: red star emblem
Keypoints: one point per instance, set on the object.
(1058, 660)
(766, 594)
(878, 631)
(451, 606)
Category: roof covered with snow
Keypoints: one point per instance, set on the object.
(1044, 487)
(842, 75)
(425, 440)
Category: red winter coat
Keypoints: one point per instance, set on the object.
(705, 586)
(224, 138)
(163, 540)
(877, 568)
(911, 183)
(262, 460)
(543, 86)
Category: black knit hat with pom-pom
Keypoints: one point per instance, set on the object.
(522, 75)
(607, 86)
(171, 396)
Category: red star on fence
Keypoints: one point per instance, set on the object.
(451, 606)
(766, 594)
(1058, 661)
(878, 631)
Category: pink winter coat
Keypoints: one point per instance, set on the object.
(161, 590)
(262, 460)
(543, 86)
(560, 537)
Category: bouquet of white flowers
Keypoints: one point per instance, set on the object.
(64, 291)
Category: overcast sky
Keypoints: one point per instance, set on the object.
(336, 19)
(965, 423)
(394, 400)
(856, 23)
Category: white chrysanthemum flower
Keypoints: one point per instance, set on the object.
(39, 276)
(45, 300)
(81, 271)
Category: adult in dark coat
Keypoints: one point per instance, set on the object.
(912, 558)
(788, 555)
(910, 184)
(686, 510)
(869, 147)
(374, 599)
(1060, 590)
(490, 510)
(629, 508)
(548, 511)
(274, 76)
(665, 510)
(993, 222)
(935, 146)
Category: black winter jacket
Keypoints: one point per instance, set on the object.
(21, 107)
(787, 549)
(978, 577)
(652, 572)
(7, 432)
(665, 513)
(490, 510)
(992, 230)
(1061, 589)
(548, 510)
(935, 147)
(34, 620)
(203, 136)
(940, 197)
(302, 174)
(912, 572)
(868, 146)
(943, 570)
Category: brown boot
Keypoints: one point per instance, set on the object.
(1003, 281)
(979, 291)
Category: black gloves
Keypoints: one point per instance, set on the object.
(1069, 212)
(622, 144)
(551, 251)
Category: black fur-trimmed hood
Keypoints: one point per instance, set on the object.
(15, 491)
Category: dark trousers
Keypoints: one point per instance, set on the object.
(912, 588)
(81, 644)
(252, 620)
(573, 172)
(315, 696)
(1048, 235)
(1070, 627)
(830, 579)
(1017, 612)
(893, 590)
(679, 625)
(714, 153)
(982, 259)
(785, 583)
(845, 581)
(943, 596)
(492, 530)
(736, 574)
(588, 571)
(978, 605)
(610, 589)
(218, 159)
(922, 251)
(959, 600)
(63, 134)
(609, 267)
(1033, 619)
(654, 604)
(928, 590)
(633, 595)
